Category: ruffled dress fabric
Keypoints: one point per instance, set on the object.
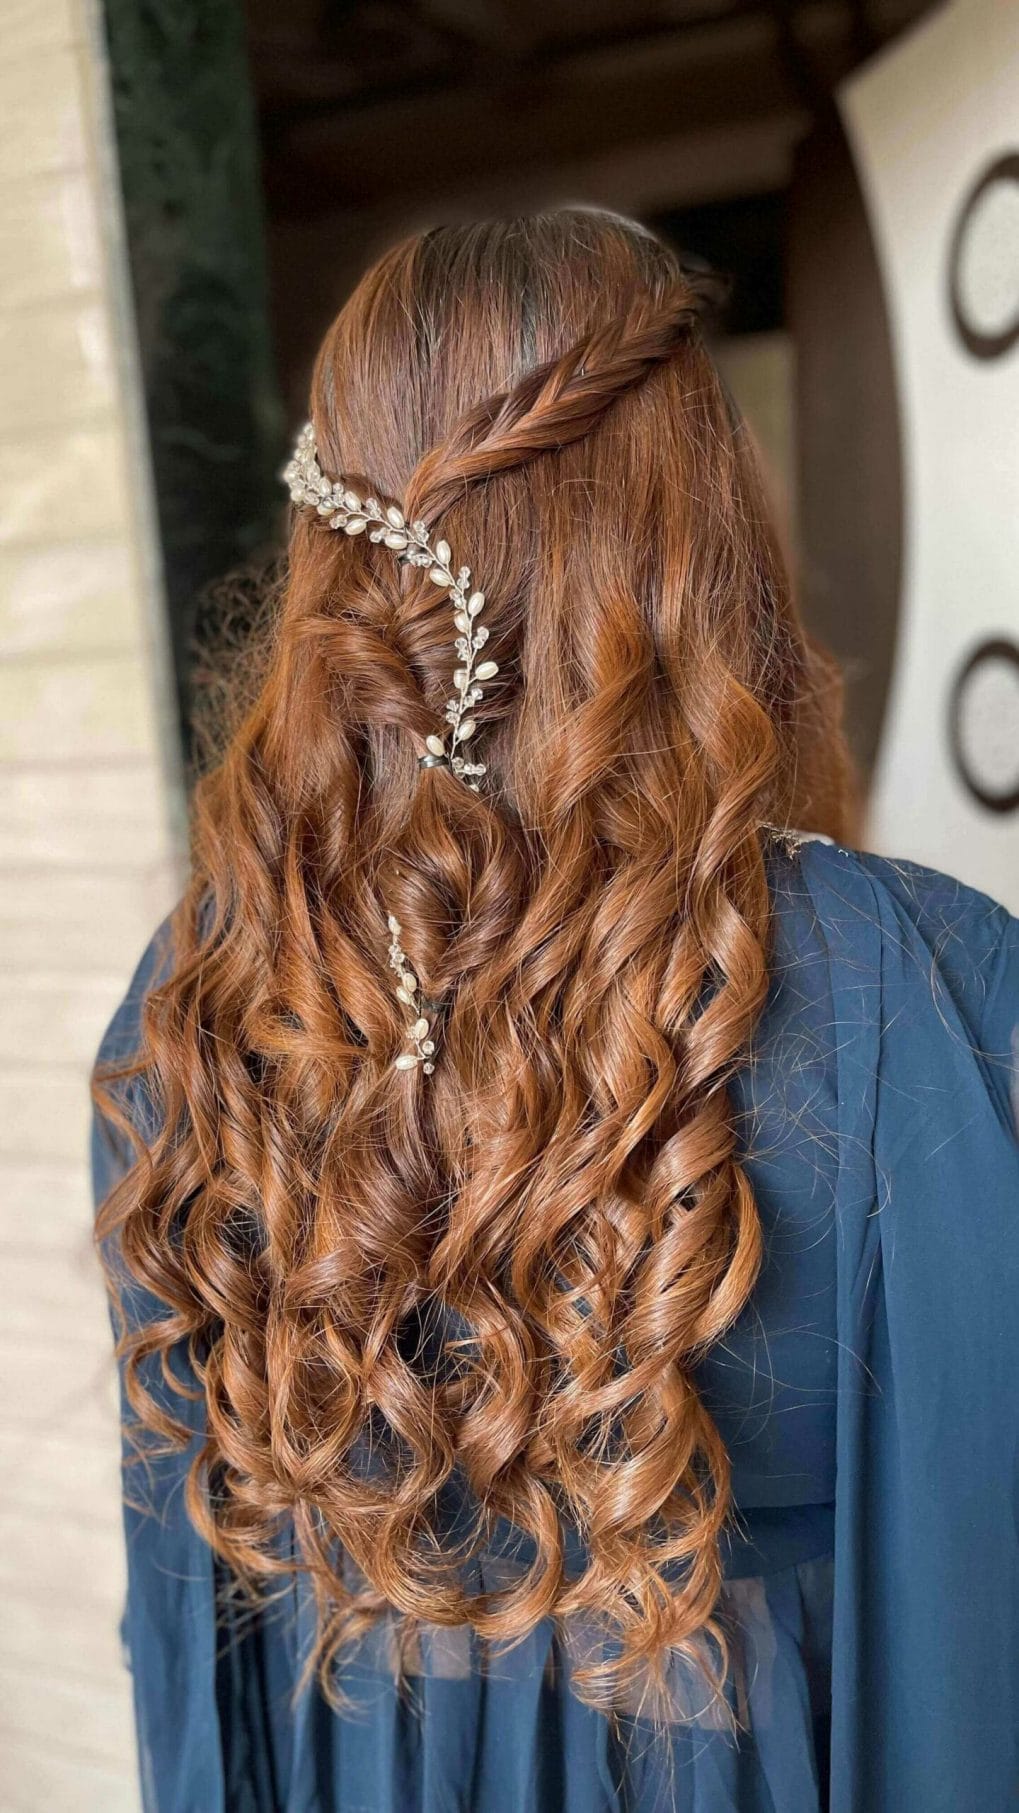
(486, 1735)
(509, 1733)
(868, 1400)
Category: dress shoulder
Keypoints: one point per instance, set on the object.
(111, 1152)
(958, 944)
(122, 1038)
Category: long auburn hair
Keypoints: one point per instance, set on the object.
(494, 1283)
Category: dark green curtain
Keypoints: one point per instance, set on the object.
(187, 145)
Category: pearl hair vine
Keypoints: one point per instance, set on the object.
(386, 524)
(421, 1048)
(410, 542)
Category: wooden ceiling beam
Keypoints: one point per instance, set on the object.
(512, 119)
(365, 156)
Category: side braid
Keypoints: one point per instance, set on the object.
(557, 403)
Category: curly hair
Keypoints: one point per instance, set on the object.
(421, 1311)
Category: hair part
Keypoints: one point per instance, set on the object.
(491, 1289)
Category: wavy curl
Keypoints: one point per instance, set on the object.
(422, 1314)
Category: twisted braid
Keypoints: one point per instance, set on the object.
(418, 1315)
(557, 403)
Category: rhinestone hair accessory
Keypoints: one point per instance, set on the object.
(410, 542)
(421, 1048)
(386, 524)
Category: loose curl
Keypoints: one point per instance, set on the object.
(423, 1313)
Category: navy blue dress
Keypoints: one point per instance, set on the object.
(869, 1397)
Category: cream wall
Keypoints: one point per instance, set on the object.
(925, 119)
(89, 813)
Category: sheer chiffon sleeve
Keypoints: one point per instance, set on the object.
(169, 1622)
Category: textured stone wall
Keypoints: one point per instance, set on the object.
(90, 811)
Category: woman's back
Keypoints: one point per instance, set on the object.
(571, 1224)
(866, 1397)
